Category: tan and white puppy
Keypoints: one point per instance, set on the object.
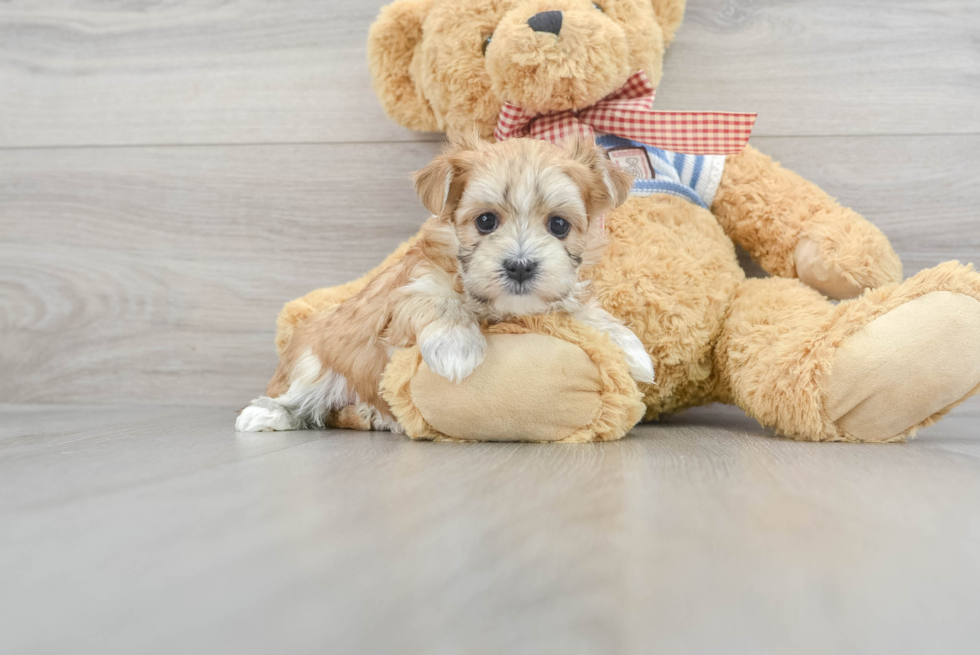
(512, 224)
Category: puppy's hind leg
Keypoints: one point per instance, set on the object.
(312, 395)
(363, 416)
(267, 415)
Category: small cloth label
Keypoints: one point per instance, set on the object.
(634, 161)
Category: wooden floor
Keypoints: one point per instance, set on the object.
(154, 529)
(172, 172)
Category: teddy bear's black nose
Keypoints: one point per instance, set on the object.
(546, 21)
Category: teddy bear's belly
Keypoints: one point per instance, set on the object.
(669, 273)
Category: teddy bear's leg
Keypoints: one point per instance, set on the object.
(876, 368)
(794, 229)
(546, 378)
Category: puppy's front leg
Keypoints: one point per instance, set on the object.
(641, 366)
(452, 345)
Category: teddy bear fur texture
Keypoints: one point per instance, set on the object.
(893, 357)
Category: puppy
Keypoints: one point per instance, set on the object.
(512, 224)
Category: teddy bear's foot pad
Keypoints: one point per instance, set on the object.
(529, 388)
(904, 367)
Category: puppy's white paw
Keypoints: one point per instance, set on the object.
(453, 352)
(266, 415)
(641, 366)
(642, 370)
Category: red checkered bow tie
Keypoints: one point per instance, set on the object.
(627, 113)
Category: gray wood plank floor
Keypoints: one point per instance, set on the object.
(161, 530)
(172, 172)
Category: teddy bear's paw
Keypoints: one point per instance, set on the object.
(841, 260)
(906, 368)
(530, 387)
(453, 352)
(826, 277)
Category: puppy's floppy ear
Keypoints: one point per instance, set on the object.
(670, 14)
(440, 184)
(393, 43)
(467, 139)
(615, 181)
(433, 184)
(618, 182)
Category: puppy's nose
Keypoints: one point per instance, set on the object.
(546, 21)
(520, 270)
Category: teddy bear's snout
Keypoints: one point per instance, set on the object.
(551, 55)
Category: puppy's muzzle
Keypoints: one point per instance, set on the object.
(520, 270)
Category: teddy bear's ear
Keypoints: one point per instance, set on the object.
(669, 13)
(393, 42)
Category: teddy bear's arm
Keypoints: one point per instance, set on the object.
(794, 229)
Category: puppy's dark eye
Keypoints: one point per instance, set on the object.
(487, 223)
(598, 6)
(559, 226)
(486, 44)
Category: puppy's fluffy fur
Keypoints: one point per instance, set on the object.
(512, 224)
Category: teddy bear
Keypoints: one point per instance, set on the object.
(891, 357)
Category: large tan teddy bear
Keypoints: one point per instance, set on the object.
(895, 357)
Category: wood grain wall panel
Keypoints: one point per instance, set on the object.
(833, 67)
(82, 72)
(155, 274)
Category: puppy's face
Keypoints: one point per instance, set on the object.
(525, 215)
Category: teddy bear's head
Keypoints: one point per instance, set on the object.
(450, 65)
